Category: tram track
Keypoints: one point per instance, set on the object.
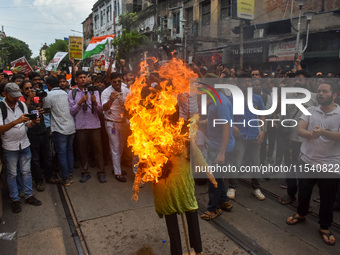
(72, 221)
(241, 239)
(294, 205)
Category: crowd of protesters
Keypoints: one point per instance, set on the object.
(84, 121)
(314, 141)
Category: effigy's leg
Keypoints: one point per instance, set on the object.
(174, 234)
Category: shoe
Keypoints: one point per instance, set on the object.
(40, 186)
(66, 182)
(283, 185)
(226, 206)
(102, 178)
(53, 180)
(121, 178)
(316, 199)
(286, 199)
(33, 201)
(85, 178)
(16, 206)
(258, 194)
(71, 179)
(231, 193)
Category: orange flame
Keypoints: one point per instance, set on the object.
(155, 138)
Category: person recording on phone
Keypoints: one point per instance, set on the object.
(116, 123)
(39, 139)
(84, 106)
(16, 146)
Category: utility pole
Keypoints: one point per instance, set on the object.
(2, 35)
(241, 43)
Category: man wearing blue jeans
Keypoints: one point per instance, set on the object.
(62, 127)
(15, 144)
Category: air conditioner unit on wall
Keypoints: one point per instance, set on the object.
(258, 33)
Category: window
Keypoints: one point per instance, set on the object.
(108, 13)
(96, 21)
(189, 16)
(205, 13)
(175, 23)
(102, 18)
(117, 11)
(225, 9)
(137, 5)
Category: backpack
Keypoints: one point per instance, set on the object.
(3, 109)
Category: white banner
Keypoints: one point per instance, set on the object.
(58, 57)
(283, 51)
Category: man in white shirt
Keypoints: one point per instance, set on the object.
(116, 123)
(16, 146)
(62, 127)
(320, 155)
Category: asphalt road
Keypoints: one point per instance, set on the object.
(108, 221)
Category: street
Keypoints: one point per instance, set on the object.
(108, 221)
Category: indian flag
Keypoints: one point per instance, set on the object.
(97, 45)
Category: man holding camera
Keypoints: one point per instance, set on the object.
(16, 146)
(39, 139)
(84, 106)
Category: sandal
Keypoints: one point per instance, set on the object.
(328, 235)
(226, 206)
(211, 215)
(286, 199)
(295, 220)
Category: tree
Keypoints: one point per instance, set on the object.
(14, 49)
(129, 42)
(34, 61)
(127, 21)
(59, 45)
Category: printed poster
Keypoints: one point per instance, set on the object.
(58, 57)
(99, 64)
(75, 47)
(22, 65)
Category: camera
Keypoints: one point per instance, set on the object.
(47, 110)
(40, 93)
(31, 116)
(92, 88)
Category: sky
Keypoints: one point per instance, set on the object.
(37, 22)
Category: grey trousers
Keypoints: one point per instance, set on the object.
(246, 150)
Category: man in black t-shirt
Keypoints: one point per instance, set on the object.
(40, 145)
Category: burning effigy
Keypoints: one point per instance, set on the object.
(161, 140)
(155, 137)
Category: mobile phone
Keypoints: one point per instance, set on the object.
(31, 116)
(47, 110)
